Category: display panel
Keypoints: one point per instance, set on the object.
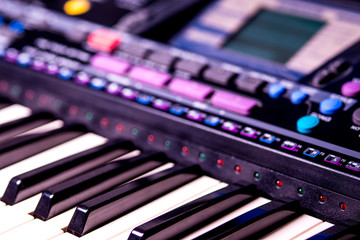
(274, 35)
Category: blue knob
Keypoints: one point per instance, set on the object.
(307, 124)
(330, 105)
(275, 90)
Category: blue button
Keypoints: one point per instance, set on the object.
(1, 20)
(267, 138)
(177, 110)
(276, 90)
(330, 105)
(311, 152)
(16, 27)
(307, 124)
(212, 120)
(298, 97)
(98, 83)
(144, 99)
(65, 73)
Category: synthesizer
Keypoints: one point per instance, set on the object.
(140, 119)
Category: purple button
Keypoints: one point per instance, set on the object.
(195, 115)
(113, 89)
(11, 55)
(161, 104)
(249, 132)
(109, 64)
(350, 89)
(52, 69)
(190, 89)
(38, 64)
(129, 93)
(230, 126)
(233, 102)
(82, 78)
(148, 76)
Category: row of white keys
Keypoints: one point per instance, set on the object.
(121, 228)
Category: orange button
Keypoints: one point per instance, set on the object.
(76, 7)
(104, 40)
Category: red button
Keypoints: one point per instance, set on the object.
(104, 40)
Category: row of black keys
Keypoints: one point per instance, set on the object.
(100, 188)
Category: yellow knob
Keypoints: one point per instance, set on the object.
(76, 7)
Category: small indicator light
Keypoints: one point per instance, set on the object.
(30, 94)
(300, 190)
(279, 183)
(257, 175)
(104, 122)
(43, 99)
(202, 156)
(57, 105)
(73, 110)
(185, 150)
(89, 116)
(238, 169)
(4, 86)
(322, 199)
(151, 138)
(119, 127)
(343, 206)
(220, 162)
(135, 132)
(167, 143)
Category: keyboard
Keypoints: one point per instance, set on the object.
(111, 134)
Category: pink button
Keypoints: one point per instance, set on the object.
(148, 76)
(350, 89)
(233, 102)
(190, 89)
(109, 64)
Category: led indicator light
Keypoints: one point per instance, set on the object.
(322, 199)
(104, 122)
(238, 169)
(135, 132)
(119, 127)
(151, 138)
(343, 206)
(73, 110)
(185, 150)
(279, 183)
(167, 143)
(300, 191)
(257, 175)
(220, 162)
(202, 156)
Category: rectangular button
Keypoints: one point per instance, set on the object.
(148, 76)
(233, 102)
(104, 40)
(109, 64)
(190, 89)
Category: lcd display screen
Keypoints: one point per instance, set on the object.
(273, 35)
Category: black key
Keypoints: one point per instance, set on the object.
(113, 204)
(338, 232)
(255, 223)
(20, 148)
(190, 217)
(11, 129)
(37, 180)
(65, 195)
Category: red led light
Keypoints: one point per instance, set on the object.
(238, 169)
(343, 206)
(30, 94)
(322, 198)
(4, 86)
(104, 122)
(279, 183)
(73, 110)
(185, 150)
(119, 127)
(220, 162)
(43, 99)
(151, 138)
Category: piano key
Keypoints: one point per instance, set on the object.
(56, 124)
(194, 215)
(256, 223)
(67, 194)
(294, 228)
(13, 112)
(248, 207)
(37, 180)
(313, 231)
(23, 147)
(121, 228)
(104, 208)
(81, 143)
(338, 232)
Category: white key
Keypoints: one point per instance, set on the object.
(44, 128)
(13, 112)
(125, 224)
(293, 228)
(312, 231)
(131, 154)
(82, 143)
(250, 206)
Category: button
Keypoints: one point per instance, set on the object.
(52, 69)
(177, 109)
(332, 159)
(192, 67)
(311, 152)
(330, 105)
(350, 89)
(190, 89)
(109, 64)
(16, 27)
(353, 166)
(195, 115)
(98, 83)
(249, 132)
(249, 84)
(76, 7)
(104, 40)
(298, 97)
(148, 76)
(38, 64)
(113, 89)
(144, 99)
(233, 102)
(212, 121)
(356, 116)
(276, 90)
(230, 126)
(11, 55)
(161, 104)
(129, 93)
(82, 78)
(307, 124)
(66, 73)
(289, 146)
(24, 59)
(267, 138)
(162, 58)
(135, 50)
(218, 75)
